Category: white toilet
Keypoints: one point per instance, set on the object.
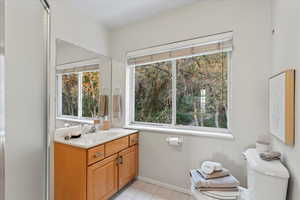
(266, 180)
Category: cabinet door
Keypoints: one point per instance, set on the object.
(128, 165)
(103, 179)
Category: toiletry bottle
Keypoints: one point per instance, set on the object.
(106, 124)
(97, 124)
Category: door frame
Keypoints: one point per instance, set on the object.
(2, 100)
(47, 63)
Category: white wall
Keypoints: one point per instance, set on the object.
(286, 55)
(25, 100)
(251, 23)
(71, 26)
(81, 30)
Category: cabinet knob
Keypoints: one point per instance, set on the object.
(120, 160)
(98, 154)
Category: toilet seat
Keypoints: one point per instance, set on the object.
(200, 196)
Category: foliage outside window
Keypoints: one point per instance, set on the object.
(202, 91)
(183, 92)
(153, 93)
(91, 94)
(80, 94)
(70, 94)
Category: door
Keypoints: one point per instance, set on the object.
(128, 165)
(102, 180)
(25, 99)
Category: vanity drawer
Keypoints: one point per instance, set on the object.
(95, 154)
(116, 146)
(133, 139)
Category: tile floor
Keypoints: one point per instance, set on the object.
(139, 190)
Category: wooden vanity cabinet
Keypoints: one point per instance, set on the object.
(133, 139)
(102, 180)
(70, 168)
(96, 173)
(128, 167)
(95, 154)
(116, 146)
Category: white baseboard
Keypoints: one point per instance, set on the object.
(166, 185)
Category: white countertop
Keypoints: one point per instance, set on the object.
(93, 139)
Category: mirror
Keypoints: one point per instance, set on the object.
(83, 85)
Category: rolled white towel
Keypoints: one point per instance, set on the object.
(209, 167)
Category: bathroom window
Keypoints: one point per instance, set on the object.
(78, 94)
(153, 84)
(181, 88)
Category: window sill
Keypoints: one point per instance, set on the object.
(220, 135)
(86, 121)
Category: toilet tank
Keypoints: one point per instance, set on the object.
(266, 180)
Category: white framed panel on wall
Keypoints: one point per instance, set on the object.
(282, 106)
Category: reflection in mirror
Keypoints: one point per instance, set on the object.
(83, 80)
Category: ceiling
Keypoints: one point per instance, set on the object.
(116, 13)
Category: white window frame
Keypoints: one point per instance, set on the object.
(78, 118)
(173, 128)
